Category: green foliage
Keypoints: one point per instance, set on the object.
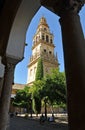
(37, 88)
(36, 93)
(52, 87)
(37, 105)
(57, 84)
(39, 71)
(22, 98)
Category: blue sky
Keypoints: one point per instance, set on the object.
(20, 75)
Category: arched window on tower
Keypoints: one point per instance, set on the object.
(43, 37)
(45, 29)
(50, 52)
(51, 41)
(47, 38)
(44, 50)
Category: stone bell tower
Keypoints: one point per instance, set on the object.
(43, 47)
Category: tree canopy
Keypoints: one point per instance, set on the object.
(36, 90)
(52, 87)
(22, 98)
(55, 86)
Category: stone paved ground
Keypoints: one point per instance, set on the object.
(20, 123)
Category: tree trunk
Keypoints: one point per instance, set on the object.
(45, 110)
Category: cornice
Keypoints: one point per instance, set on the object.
(33, 62)
(43, 24)
(43, 31)
(42, 42)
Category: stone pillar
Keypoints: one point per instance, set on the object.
(1, 83)
(6, 93)
(1, 75)
(74, 53)
(74, 56)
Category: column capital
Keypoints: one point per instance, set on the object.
(62, 7)
(10, 60)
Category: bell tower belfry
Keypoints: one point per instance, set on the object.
(43, 47)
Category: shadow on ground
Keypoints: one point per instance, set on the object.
(21, 123)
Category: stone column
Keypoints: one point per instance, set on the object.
(1, 84)
(6, 93)
(1, 75)
(74, 57)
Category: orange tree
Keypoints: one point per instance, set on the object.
(22, 98)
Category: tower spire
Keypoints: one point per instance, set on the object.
(43, 22)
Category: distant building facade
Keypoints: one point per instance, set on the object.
(15, 88)
(43, 47)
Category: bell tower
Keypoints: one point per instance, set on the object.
(43, 47)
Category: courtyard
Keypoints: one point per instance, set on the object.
(21, 123)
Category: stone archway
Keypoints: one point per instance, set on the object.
(13, 47)
(74, 59)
